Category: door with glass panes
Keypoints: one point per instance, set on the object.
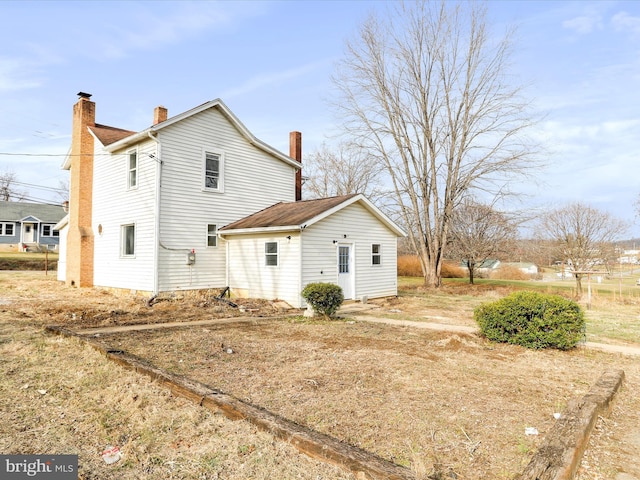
(345, 270)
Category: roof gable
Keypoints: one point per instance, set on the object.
(134, 138)
(294, 215)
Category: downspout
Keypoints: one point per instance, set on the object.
(156, 243)
(226, 262)
(300, 269)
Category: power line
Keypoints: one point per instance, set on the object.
(12, 154)
(51, 189)
(40, 201)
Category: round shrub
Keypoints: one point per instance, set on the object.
(324, 298)
(533, 320)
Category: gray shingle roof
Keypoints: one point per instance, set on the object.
(16, 211)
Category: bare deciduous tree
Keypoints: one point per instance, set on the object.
(340, 171)
(8, 190)
(425, 90)
(63, 190)
(479, 232)
(584, 236)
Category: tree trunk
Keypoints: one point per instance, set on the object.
(432, 277)
(578, 286)
(471, 267)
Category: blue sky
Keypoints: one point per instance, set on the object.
(271, 63)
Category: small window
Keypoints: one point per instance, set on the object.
(128, 240)
(132, 164)
(212, 235)
(213, 171)
(376, 254)
(271, 254)
(47, 230)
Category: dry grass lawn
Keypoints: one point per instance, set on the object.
(444, 405)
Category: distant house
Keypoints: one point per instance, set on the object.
(485, 267)
(29, 226)
(525, 267)
(197, 202)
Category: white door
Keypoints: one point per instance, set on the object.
(27, 236)
(345, 270)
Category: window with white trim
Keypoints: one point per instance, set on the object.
(6, 229)
(212, 235)
(213, 171)
(48, 231)
(132, 169)
(128, 240)
(271, 254)
(376, 254)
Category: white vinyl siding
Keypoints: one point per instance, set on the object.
(249, 275)
(61, 273)
(114, 205)
(251, 179)
(313, 255)
(320, 253)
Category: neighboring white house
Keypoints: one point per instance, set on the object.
(147, 211)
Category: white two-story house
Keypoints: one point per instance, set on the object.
(197, 202)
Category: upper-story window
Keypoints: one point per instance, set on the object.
(132, 169)
(6, 229)
(48, 231)
(213, 171)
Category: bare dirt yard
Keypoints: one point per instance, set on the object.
(445, 405)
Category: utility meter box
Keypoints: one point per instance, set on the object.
(191, 258)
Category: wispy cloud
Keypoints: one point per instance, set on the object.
(154, 33)
(623, 22)
(149, 29)
(584, 24)
(273, 78)
(18, 74)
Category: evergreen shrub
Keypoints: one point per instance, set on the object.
(324, 298)
(533, 320)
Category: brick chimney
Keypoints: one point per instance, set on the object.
(159, 114)
(295, 152)
(80, 238)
